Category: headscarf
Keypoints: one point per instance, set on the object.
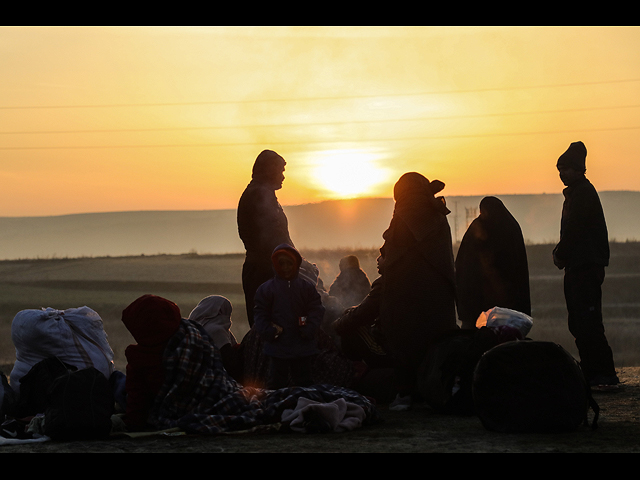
(425, 217)
(152, 320)
(491, 265)
(213, 313)
(267, 164)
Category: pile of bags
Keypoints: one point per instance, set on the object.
(512, 383)
(64, 377)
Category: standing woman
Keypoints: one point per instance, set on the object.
(491, 264)
(417, 303)
(262, 223)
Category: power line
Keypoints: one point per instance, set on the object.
(296, 142)
(313, 99)
(311, 124)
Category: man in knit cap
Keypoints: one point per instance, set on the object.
(583, 253)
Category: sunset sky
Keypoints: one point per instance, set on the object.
(102, 119)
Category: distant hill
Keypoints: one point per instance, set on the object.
(330, 224)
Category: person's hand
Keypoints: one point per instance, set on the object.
(278, 330)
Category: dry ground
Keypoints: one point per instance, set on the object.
(419, 430)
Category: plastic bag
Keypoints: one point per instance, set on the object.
(500, 316)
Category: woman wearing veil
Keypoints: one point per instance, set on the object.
(417, 302)
(491, 264)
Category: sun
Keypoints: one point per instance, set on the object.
(348, 173)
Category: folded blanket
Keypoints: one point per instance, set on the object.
(311, 416)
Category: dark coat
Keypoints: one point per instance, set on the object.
(262, 225)
(282, 302)
(491, 265)
(417, 303)
(363, 315)
(584, 238)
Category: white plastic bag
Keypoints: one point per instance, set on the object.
(498, 316)
(76, 336)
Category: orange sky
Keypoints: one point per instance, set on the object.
(114, 119)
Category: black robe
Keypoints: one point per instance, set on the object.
(491, 264)
(417, 302)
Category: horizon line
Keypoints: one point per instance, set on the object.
(109, 212)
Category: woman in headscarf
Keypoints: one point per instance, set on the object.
(262, 223)
(351, 285)
(213, 313)
(491, 264)
(152, 321)
(417, 302)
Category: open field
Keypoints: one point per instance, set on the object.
(109, 284)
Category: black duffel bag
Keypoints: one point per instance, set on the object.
(531, 386)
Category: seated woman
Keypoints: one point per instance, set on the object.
(352, 284)
(152, 321)
(213, 313)
(196, 393)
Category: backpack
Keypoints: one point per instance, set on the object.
(79, 406)
(531, 386)
(35, 385)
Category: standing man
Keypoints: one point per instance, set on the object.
(262, 224)
(583, 253)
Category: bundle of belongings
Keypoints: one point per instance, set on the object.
(63, 382)
(67, 388)
(512, 383)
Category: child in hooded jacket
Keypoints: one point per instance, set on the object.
(288, 312)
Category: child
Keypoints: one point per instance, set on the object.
(288, 312)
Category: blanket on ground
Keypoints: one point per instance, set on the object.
(199, 396)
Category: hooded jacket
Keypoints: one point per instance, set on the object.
(283, 302)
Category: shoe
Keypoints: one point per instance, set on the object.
(14, 429)
(400, 403)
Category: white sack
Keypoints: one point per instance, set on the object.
(75, 335)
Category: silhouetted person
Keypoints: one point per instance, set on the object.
(262, 223)
(583, 253)
(417, 302)
(152, 321)
(288, 312)
(491, 264)
(352, 284)
(357, 330)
